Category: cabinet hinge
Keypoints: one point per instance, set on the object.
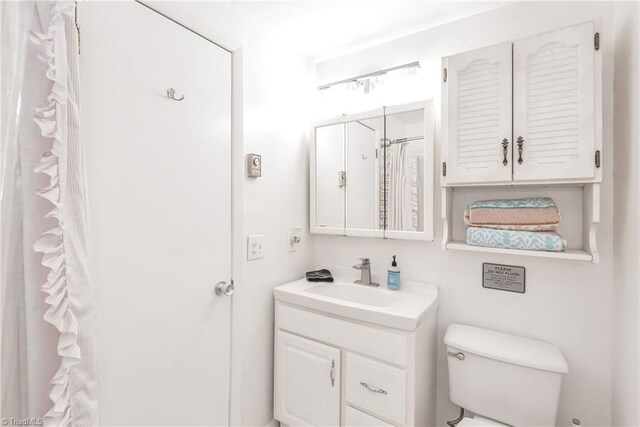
(444, 75)
(596, 41)
(444, 168)
(597, 159)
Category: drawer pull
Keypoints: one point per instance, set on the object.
(375, 390)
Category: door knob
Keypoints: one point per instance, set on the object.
(224, 288)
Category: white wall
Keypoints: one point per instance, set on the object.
(626, 248)
(276, 87)
(566, 303)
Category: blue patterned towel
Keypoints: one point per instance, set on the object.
(510, 239)
(528, 203)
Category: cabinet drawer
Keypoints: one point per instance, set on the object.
(355, 418)
(377, 387)
(376, 342)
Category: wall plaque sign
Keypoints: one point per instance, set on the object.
(503, 277)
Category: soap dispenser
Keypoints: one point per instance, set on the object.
(393, 275)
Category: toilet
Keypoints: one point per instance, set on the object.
(503, 379)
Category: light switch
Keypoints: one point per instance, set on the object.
(255, 247)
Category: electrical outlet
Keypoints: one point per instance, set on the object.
(294, 238)
(255, 247)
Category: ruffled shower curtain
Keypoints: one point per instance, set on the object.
(400, 188)
(48, 355)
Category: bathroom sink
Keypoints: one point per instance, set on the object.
(401, 309)
(358, 294)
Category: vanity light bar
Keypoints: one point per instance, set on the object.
(357, 79)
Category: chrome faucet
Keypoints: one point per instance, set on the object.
(365, 272)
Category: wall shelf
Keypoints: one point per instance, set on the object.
(570, 254)
(580, 222)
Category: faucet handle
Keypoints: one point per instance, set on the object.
(365, 261)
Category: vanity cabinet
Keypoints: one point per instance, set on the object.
(311, 399)
(528, 111)
(332, 371)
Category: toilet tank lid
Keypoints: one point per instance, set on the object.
(507, 348)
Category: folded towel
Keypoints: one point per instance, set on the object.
(529, 221)
(528, 203)
(515, 212)
(524, 216)
(323, 275)
(510, 239)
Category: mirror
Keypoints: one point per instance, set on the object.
(363, 210)
(404, 171)
(330, 188)
(372, 174)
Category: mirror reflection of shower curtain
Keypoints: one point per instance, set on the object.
(401, 188)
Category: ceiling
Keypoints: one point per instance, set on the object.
(317, 29)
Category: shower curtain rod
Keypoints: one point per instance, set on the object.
(375, 73)
(400, 140)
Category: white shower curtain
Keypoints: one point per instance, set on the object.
(48, 367)
(402, 188)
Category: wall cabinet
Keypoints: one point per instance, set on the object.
(522, 119)
(331, 371)
(524, 112)
(478, 124)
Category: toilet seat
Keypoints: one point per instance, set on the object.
(479, 421)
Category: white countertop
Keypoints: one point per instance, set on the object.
(402, 309)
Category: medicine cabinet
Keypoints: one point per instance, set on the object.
(372, 173)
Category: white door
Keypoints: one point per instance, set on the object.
(307, 382)
(159, 176)
(477, 116)
(553, 110)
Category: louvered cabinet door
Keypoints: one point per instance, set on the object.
(553, 110)
(477, 122)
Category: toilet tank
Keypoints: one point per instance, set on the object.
(511, 379)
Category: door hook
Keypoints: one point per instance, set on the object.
(171, 94)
